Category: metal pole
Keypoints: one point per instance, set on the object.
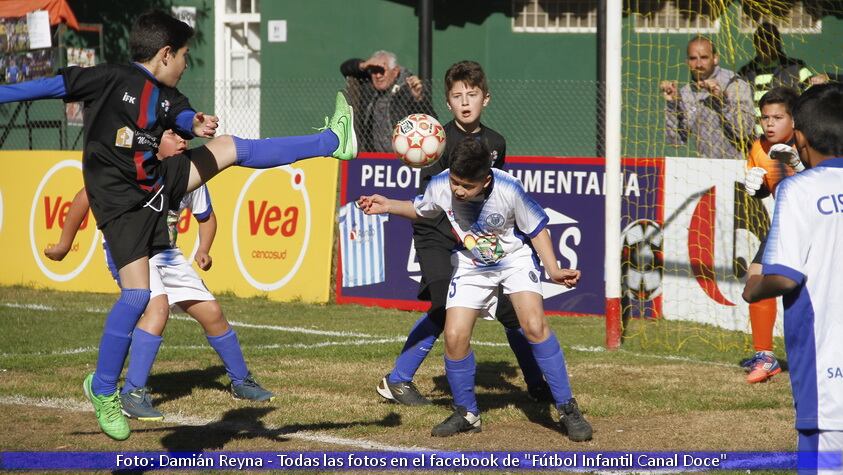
(426, 40)
(614, 49)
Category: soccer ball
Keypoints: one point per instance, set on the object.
(418, 140)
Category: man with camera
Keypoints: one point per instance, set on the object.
(382, 92)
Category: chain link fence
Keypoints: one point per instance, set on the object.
(556, 118)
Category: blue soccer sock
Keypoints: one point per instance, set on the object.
(418, 345)
(142, 355)
(461, 375)
(228, 348)
(116, 338)
(277, 151)
(524, 354)
(551, 360)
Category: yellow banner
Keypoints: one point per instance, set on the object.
(274, 235)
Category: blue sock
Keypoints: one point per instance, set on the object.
(227, 346)
(460, 375)
(551, 360)
(277, 151)
(419, 342)
(524, 354)
(142, 355)
(116, 338)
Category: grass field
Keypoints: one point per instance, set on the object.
(323, 362)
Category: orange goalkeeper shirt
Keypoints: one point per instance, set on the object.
(776, 170)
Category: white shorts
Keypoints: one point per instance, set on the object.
(477, 287)
(171, 274)
(828, 441)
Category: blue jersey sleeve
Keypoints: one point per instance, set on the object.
(43, 88)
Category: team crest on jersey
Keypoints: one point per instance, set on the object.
(166, 105)
(494, 156)
(124, 137)
(495, 220)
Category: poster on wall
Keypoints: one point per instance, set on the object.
(84, 57)
(25, 48)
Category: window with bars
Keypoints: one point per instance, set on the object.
(672, 19)
(554, 16)
(797, 19)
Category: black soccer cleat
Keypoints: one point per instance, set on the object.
(405, 393)
(573, 423)
(459, 421)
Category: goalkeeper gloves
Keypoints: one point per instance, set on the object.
(754, 180)
(787, 154)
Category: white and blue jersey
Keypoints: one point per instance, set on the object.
(803, 246)
(488, 228)
(361, 246)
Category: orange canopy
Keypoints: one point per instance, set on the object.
(60, 11)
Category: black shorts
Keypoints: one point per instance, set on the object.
(142, 231)
(760, 254)
(435, 264)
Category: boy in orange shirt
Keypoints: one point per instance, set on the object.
(771, 159)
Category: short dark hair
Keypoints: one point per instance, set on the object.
(469, 72)
(779, 95)
(471, 160)
(154, 30)
(699, 38)
(818, 114)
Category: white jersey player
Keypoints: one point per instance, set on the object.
(802, 262)
(492, 217)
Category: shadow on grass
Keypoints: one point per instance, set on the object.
(493, 376)
(176, 385)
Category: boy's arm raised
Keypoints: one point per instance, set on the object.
(377, 204)
(43, 88)
(75, 215)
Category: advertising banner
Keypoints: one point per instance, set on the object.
(274, 235)
(571, 190)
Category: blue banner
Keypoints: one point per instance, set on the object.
(366, 461)
(571, 190)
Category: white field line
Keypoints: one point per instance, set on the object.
(364, 339)
(78, 406)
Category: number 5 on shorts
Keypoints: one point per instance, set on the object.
(453, 288)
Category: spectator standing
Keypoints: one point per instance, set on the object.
(715, 107)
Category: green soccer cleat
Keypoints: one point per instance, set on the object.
(342, 125)
(108, 411)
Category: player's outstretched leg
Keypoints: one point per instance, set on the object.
(551, 360)
(134, 396)
(398, 384)
(466, 416)
(223, 339)
(337, 139)
(100, 387)
(537, 388)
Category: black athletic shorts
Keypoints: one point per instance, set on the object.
(142, 231)
(435, 264)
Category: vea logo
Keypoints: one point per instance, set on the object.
(50, 206)
(271, 227)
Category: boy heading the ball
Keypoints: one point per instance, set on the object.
(484, 206)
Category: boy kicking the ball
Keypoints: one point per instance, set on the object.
(484, 206)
